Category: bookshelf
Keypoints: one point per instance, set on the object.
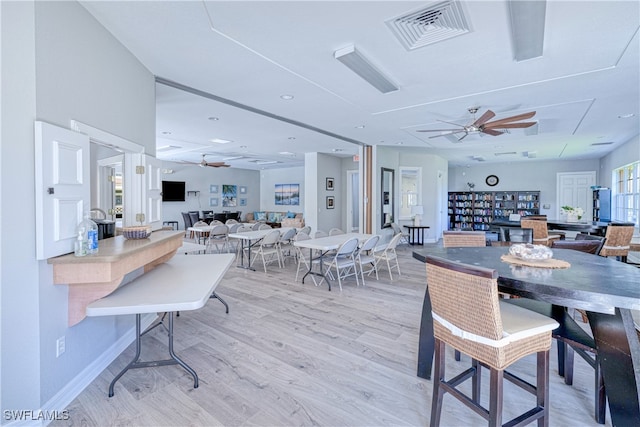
(475, 210)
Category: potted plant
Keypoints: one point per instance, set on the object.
(573, 214)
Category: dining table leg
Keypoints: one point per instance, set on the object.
(321, 257)
(426, 343)
(619, 355)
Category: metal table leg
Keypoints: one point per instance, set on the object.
(135, 363)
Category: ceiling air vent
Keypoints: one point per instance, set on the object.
(595, 144)
(439, 21)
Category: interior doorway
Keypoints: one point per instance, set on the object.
(353, 201)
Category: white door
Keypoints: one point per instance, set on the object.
(152, 191)
(63, 190)
(574, 189)
(353, 201)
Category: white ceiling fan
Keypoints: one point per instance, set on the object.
(203, 163)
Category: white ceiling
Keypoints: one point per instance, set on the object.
(244, 55)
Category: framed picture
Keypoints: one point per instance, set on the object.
(213, 201)
(330, 184)
(287, 194)
(213, 188)
(229, 195)
(243, 189)
(243, 202)
(331, 202)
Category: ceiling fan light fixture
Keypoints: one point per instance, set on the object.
(357, 63)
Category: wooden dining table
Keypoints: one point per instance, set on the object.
(591, 227)
(605, 288)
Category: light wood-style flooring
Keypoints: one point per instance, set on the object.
(292, 354)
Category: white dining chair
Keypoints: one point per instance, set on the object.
(344, 261)
(218, 238)
(388, 255)
(365, 257)
(268, 250)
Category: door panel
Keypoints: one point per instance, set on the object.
(574, 189)
(62, 187)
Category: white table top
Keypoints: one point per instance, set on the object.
(331, 242)
(257, 234)
(185, 282)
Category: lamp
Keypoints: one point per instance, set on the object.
(354, 60)
(416, 211)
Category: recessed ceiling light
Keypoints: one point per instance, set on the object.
(292, 138)
(359, 127)
(399, 143)
(243, 146)
(287, 153)
(626, 116)
(336, 150)
(166, 133)
(220, 141)
(286, 97)
(215, 119)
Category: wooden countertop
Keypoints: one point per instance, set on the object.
(94, 276)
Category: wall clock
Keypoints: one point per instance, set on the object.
(492, 180)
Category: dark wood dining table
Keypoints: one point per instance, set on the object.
(591, 227)
(605, 288)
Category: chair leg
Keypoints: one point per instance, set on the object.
(542, 387)
(476, 381)
(438, 377)
(496, 386)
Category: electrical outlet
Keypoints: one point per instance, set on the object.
(60, 346)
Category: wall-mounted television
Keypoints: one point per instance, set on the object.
(173, 191)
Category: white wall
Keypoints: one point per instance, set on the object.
(523, 176)
(19, 313)
(58, 64)
(200, 179)
(269, 178)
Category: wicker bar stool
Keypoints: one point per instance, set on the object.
(469, 317)
(541, 235)
(617, 241)
(458, 239)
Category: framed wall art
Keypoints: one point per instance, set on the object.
(229, 195)
(243, 202)
(287, 194)
(330, 183)
(213, 188)
(331, 202)
(213, 201)
(243, 189)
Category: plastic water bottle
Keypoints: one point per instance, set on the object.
(87, 241)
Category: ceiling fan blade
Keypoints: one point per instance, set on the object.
(488, 115)
(491, 131)
(509, 125)
(512, 118)
(218, 165)
(440, 130)
(448, 132)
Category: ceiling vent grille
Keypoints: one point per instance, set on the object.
(440, 21)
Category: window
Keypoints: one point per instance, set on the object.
(410, 190)
(626, 193)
